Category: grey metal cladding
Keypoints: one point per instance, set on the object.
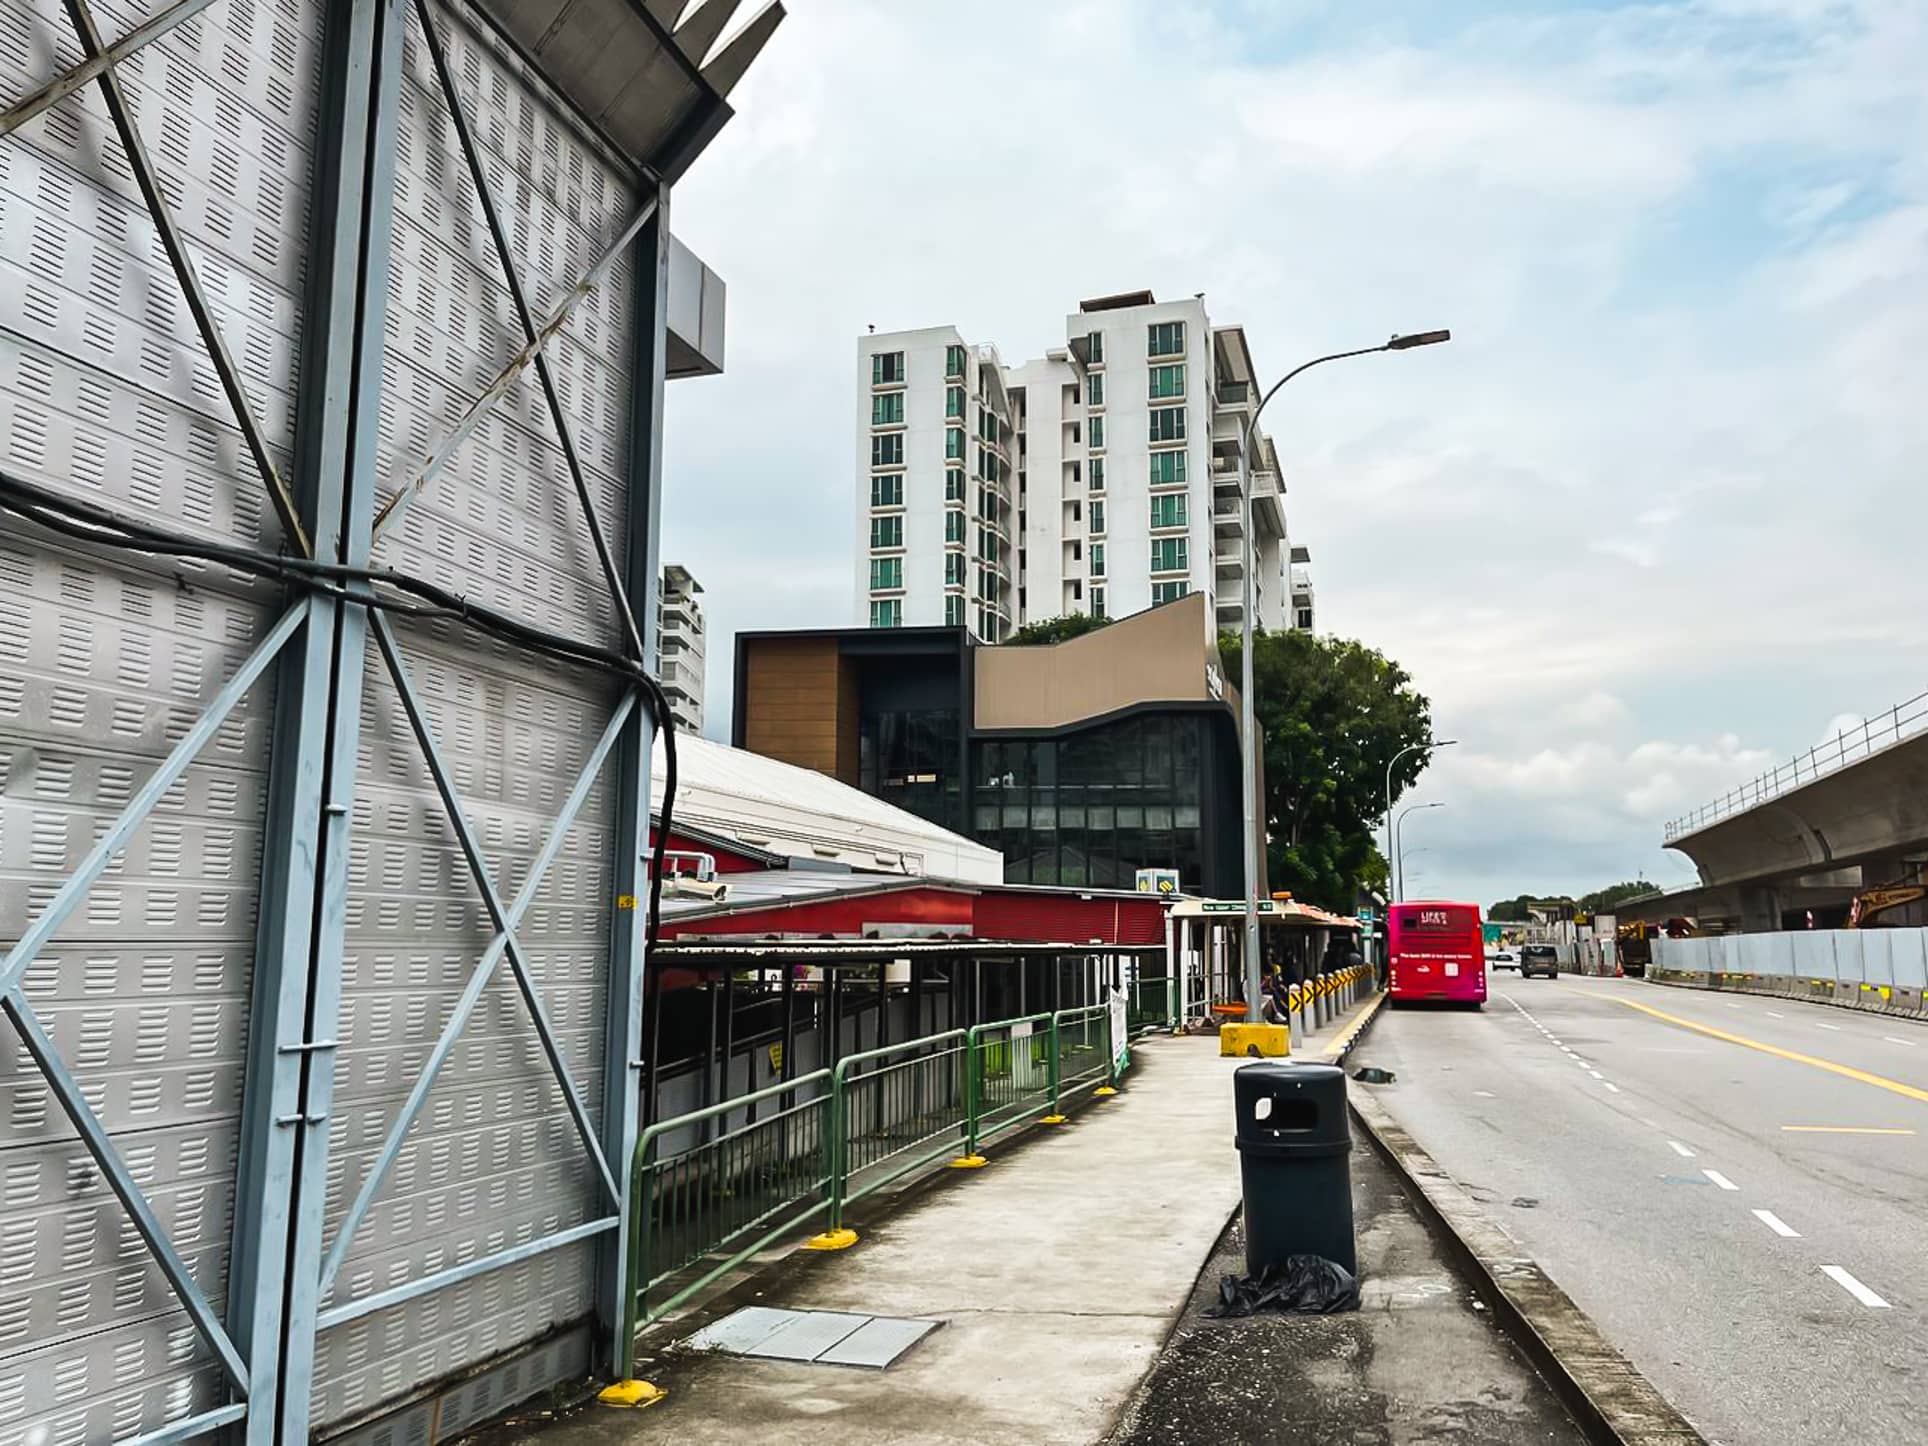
(493, 1160)
(106, 391)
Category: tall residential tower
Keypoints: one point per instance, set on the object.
(1100, 479)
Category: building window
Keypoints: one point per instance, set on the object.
(1097, 560)
(987, 546)
(954, 525)
(953, 484)
(887, 531)
(887, 409)
(987, 466)
(1168, 510)
(954, 610)
(887, 612)
(1097, 515)
(1095, 344)
(1097, 434)
(953, 361)
(1305, 620)
(1167, 468)
(887, 450)
(987, 425)
(886, 574)
(1167, 339)
(1168, 554)
(954, 401)
(953, 569)
(1097, 474)
(886, 368)
(1164, 592)
(1167, 424)
(887, 489)
(1097, 602)
(1167, 381)
(1095, 389)
(954, 443)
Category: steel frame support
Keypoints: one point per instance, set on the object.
(62, 86)
(281, 1176)
(622, 1101)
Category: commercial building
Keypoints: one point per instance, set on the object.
(1102, 478)
(680, 649)
(1081, 762)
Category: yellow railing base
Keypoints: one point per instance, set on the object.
(1052, 1120)
(631, 1394)
(969, 1162)
(1104, 1090)
(1241, 1041)
(832, 1240)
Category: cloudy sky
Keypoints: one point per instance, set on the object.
(1654, 520)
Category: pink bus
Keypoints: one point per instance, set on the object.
(1436, 951)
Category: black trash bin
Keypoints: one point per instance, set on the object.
(1295, 1147)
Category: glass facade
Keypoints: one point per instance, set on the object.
(1094, 806)
(909, 759)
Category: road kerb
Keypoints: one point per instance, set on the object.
(1335, 1050)
(1609, 1398)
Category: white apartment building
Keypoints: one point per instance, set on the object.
(1102, 478)
(680, 664)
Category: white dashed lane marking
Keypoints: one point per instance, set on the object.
(1904, 1043)
(1777, 1224)
(1720, 1179)
(1854, 1287)
(1681, 1150)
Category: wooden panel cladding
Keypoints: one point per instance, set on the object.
(801, 705)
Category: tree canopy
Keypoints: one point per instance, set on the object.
(1600, 901)
(1055, 630)
(1333, 713)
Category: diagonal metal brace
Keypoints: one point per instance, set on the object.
(564, 433)
(62, 86)
(15, 965)
(93, 1134)
(442, 451)
(472, 991)
(143, 169)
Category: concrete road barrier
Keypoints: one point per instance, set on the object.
(1881, 971)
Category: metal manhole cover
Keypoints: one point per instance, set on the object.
(826, 1337)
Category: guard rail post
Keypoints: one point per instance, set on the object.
(973, 1097)
(1056, 1117)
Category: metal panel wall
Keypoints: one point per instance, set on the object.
(106, 392)
(494, 1160)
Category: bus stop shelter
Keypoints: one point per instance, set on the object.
(1205, 945)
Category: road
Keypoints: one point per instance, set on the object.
(1747, 1224)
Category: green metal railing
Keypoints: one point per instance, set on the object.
(842, 1134)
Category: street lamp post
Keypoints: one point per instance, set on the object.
(1399, 874)
(1409, 748)
(1248, 720)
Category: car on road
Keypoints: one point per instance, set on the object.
(1539, 959)
(1501, 959)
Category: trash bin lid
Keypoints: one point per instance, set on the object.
(1291, 1109)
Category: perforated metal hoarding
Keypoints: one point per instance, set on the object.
(106, 392)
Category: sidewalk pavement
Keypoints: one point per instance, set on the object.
(1058, 1272)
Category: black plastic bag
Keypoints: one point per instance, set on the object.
(1304, 1284)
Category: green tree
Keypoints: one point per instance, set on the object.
(1333, 714)
(1602, 901)
(1055, 630)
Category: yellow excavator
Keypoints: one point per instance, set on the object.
(1870, 904)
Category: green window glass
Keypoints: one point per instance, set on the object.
(954, 569)
(1095, 389)
(1097, 516)
(1167, 338)
(953, 443)
(953, 401)
(1167, 381)
(953, 361)
(887, 531)
(954, 526)
(1097, 434)
(1097, 602)
(1168, 554)
(1167, 424)
(1167, 468)
(1097, 474)
(886, 573)
(1168, 511)
(953, 484)
(1095, 343)
(887, 409)
(886, 367)
(887, 490)
(1164, 592)
(1097, 559)
(887, 613)
(954, 611)
(887, 450)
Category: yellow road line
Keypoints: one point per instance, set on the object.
(1846, 1071)
(1842, 1130)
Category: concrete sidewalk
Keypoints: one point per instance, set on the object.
(1058, 1272)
